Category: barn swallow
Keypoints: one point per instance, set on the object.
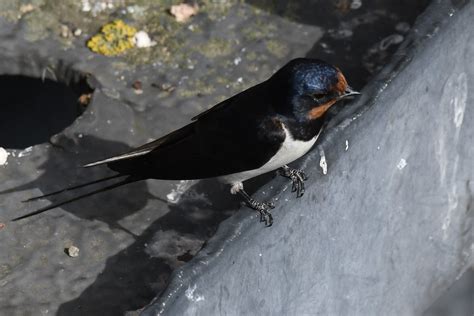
(259, 130)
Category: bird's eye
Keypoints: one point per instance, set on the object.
(318, 96)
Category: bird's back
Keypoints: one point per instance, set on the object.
(231, 137)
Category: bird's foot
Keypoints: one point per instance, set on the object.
(264, 209)
(297, 178)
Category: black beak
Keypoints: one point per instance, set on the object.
(348, 93)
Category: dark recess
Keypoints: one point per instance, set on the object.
(32, 110)
(362, 54)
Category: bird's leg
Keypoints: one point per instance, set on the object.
(262, 207)
(296, 176)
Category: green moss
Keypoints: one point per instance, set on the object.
(251, 55)
(5, 270)
(10, 10)
(69, 12)
(216, 48)
(174, 40)
(165, 31)
(259, 30)
(40, 24)
(277, 48)
(47, 16)
(14, 10)
(288, 9)
(215, 9)
(202, 86)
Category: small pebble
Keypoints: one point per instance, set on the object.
(77, 32)
(142, 40)
(85, 99)
(167, 87)
(65, 31)
(137, 87)
(72, 251)
(182, 12)
(25, 8)
(2, 226)
(402, 27)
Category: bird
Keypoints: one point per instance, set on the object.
(261, 129)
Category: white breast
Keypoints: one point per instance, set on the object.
(289, 151)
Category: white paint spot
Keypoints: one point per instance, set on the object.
(401, 164)
(175, 195)
(191, 296)
(322, 162)
(446, 223)
(347, 145)
(459, 101)
(25, 152)
(3, 156)
(454, 100)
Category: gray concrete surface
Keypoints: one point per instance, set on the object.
(388, 229)
(458, 300)
(132, 239)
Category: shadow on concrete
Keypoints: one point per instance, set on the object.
(133, 277)
(64, 164)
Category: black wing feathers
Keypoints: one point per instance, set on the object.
(236, 135)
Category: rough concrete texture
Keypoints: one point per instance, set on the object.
(458, 300)
(388, 229)
(131, 240)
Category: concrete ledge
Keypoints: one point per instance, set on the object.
(389, 227)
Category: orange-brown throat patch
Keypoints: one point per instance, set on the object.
(341, 84)
(319, 111)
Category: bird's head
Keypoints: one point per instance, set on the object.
(312, 87)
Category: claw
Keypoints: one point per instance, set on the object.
(297, 177)
(263, 209)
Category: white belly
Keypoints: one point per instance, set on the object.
(290, 150)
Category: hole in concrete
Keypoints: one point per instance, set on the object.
(32, 110)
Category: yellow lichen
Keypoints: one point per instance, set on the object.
(114, 38)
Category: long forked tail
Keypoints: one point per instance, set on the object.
(82, 185)
(128, 180)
